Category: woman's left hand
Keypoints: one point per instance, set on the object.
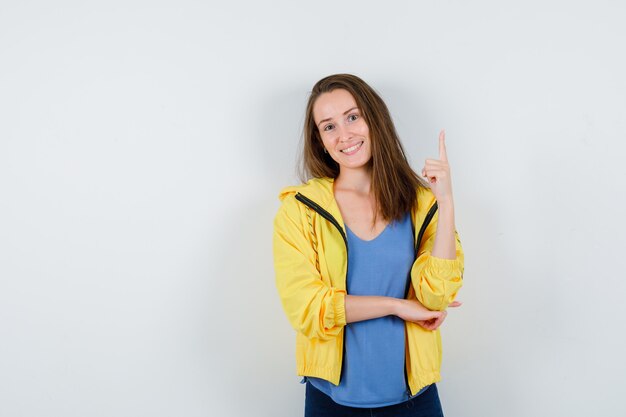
(433, 324)
(437, 171)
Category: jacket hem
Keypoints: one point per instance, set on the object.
(319, 372)
(425, 378)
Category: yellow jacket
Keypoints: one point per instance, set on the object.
(312, 288)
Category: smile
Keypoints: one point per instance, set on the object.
(352, 149)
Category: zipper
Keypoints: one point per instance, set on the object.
(325, 214)
(427, 219)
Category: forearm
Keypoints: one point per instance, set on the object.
(444, 246)
(365, 307)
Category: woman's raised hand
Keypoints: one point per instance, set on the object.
(437, 171)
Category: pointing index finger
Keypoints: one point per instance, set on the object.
(443, 156)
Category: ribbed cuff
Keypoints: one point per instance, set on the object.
(339, 307)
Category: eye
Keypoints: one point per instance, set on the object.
(328, 127)
(353, 117)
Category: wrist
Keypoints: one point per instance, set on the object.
(446, 203)
(394, 306)
(446, 213)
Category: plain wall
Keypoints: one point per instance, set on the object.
(143, 145)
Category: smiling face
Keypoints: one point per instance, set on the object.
(343, 130)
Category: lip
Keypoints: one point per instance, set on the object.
(359, 145)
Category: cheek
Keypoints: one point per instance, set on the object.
(363, 129)
(327, 139)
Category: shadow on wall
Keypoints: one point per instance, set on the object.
(280, 121)
(252, 353)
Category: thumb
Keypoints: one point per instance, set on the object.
(455, 304)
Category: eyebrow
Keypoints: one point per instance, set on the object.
(330, 118)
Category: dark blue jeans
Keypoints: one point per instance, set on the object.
(318, 404)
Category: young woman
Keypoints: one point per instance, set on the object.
(367, 260)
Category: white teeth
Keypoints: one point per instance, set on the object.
(352, 148)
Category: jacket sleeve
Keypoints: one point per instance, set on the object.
(436, 280)
(313, 308)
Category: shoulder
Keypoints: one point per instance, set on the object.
(316, 189)
(424, 201)
(315, 186)
(425, 198)
(319, 190)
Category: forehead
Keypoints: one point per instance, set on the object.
(332, 105)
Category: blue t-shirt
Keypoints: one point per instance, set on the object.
(372, 374)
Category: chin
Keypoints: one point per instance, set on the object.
(356, 164)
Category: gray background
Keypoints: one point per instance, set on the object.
(143, 145)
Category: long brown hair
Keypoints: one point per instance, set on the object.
(394, 183)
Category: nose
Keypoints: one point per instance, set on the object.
(344, 133)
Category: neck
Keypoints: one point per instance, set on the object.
(355, 179)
